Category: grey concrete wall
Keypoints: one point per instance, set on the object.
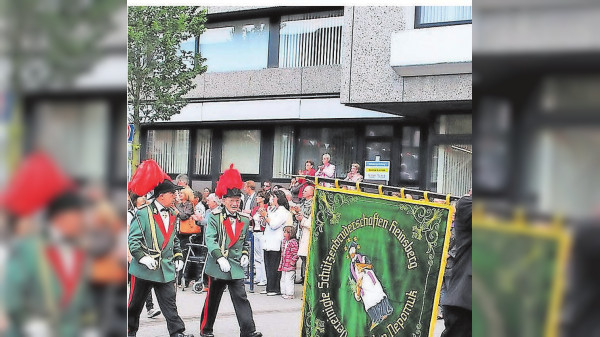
(367, 76)
(268, 82)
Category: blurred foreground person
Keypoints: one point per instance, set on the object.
(155, 249)
(457, 300)
(46, 291)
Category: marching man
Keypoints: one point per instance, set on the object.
(228, 256)
(155, 249)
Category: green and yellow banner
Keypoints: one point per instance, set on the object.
(375, 265)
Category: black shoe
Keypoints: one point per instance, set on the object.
(207, 334)
(181, 334)
(255, 334)
(131, 334)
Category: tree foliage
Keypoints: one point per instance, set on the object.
(160, 72)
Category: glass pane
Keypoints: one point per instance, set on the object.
(188, 48)
(312, 39)
(242, 148)
(88, 122)
(170, 149)
(203, 152)
(339, 143)
(440, 14)
(283, 152)
(382, 149)
(238, 45)
(379, 130)
(454, 124)
(451, 169)
(411, 138)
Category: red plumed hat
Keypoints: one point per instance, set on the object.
(36, 183)
(147, 177)
(229, 184)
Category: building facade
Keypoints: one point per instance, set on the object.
(288, 84)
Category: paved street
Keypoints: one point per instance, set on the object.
(273, 315)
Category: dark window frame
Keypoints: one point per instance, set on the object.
(418, 24)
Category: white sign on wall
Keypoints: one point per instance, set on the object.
(377, 170)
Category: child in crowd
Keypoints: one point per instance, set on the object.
(287, 265)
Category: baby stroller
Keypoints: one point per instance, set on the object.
(197, 254)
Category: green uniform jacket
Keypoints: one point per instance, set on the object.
(33, 290)
(165, 249)
(222, 241)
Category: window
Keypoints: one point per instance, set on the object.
(58, 123)
(381, 149)
(170, 149)
(379, 131)
(283, 152)
(241, 148)
(338, 142)
(451, 169)
(312, 39)
(203, 151)
(233, 46)
(411, 139)
(454, 125)
(431, 16)
(188, 49)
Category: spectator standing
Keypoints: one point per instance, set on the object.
(327, 170)
(304, 219)
(249, 202)
(308, 171)
(187, 226)
(276, 218)
(353, 176)
(287, 265)
(258, 228)
(266, 186)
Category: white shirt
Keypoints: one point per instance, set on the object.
(231, 220)
(273, 236)
(163, 215)
(248, 202)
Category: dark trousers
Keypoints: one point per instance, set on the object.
(165, 295)
(149, 303)
(272, 259)
(303, 267)
(242, 308)
(458, 322)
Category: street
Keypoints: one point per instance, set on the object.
(274, 316)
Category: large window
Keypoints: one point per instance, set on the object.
(311, 39)
(242, 148)
(411, 141)
(170, 149)
(58, 123)
(203, 151)
(338, 142)
(451, 169)
(431, 16)
(454, 124)
(283, 152)
(238, 45)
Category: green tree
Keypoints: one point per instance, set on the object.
(160, 73)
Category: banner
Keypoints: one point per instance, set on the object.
(375, 265)
(518, 271)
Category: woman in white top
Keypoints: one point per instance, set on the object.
(277, 217)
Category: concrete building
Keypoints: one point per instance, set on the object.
(536, 79)
(287, 84)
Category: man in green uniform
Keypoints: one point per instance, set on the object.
(228, 256)
(157, 257)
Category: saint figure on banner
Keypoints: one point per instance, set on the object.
(368, 289)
